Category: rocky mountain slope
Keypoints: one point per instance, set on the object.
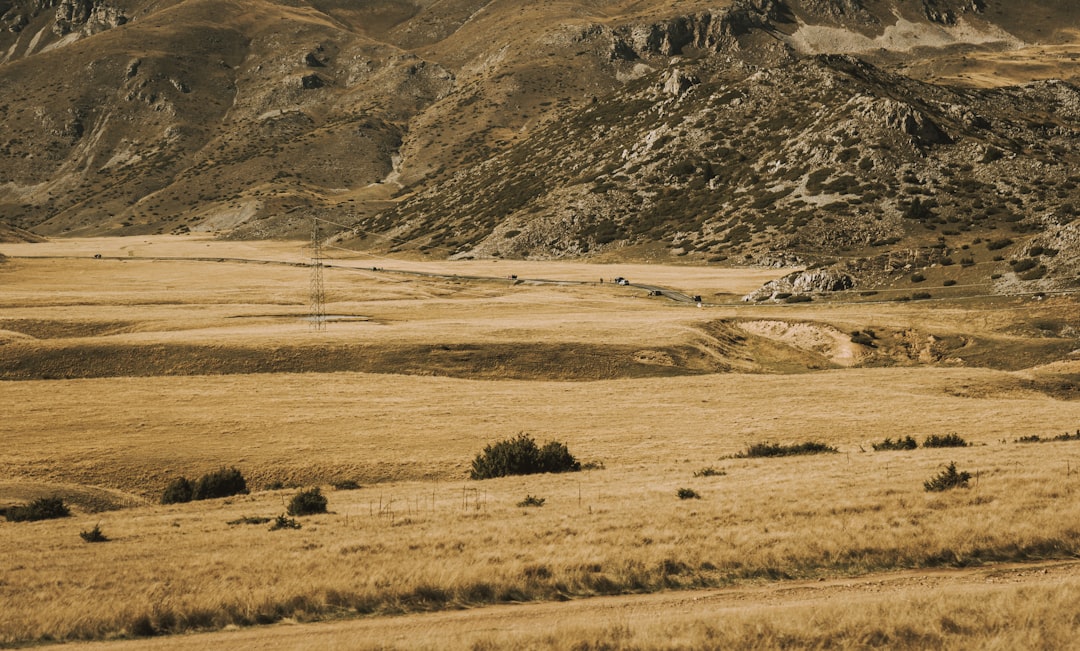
(874, 138)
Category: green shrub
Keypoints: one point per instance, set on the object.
(948, 283)
(906, 443)
(307, 502)
(947, 479)
(43, 508)
(94, 535)
(179, 490)
(521, 456)
(531, 500)
(346, 485)
(947, 441)
(917, 277)
(776, 450)
(281, 522)
(688, 494)
(798, 298)
(556, 457)
(223, 482)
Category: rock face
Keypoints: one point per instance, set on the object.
(817, 281)
(87, 16)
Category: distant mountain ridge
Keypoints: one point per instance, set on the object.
(845, 133)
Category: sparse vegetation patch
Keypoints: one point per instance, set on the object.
(282, 522)
(709, 471)
(1035, 438)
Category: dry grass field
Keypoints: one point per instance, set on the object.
(124, 372)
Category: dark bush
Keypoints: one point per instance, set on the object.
(43, 508)
(1034, 274)
(688, 494)
(281, 522)
(999, 244)
(249, 519)
(1024, 265)
(948, 478)
(906, 443)
(521, 456)
(947, 441)
(179, 490)
(224, 482)
(307, 502)
(798, 298)
(94, 535)
(556, 457)
(776, 450)
(920, 296)
(948, 283)
(917, 277)
(531, 500)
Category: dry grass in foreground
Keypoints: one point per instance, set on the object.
(417, 536)
(986, 608)
(420, 546)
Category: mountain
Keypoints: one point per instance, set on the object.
(870, 137)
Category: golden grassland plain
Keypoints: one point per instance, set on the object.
(659, 391)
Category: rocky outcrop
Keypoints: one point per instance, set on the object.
(677, 82)
(903, 117)
(86, 16)
(813, 281)
(710, 31)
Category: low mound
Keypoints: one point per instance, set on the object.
(560, 361)
(87, 499)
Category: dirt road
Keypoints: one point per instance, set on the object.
(523, 625)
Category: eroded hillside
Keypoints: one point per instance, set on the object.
(800, 132)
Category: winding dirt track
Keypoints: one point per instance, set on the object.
(462, 629)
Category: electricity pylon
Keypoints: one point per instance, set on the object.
(318, 291)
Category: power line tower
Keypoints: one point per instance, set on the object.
(317, 290)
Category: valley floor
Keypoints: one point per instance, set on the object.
(177, 356)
